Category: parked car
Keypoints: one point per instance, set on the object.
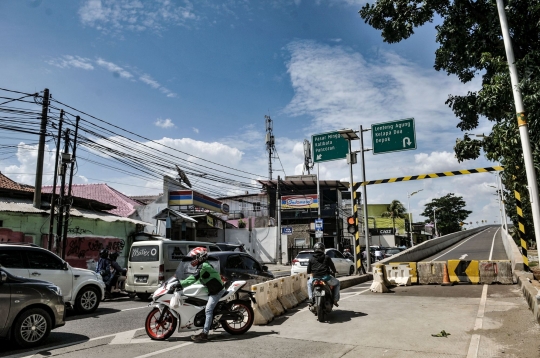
(29, 309)
(231, 247)
(390, 251)
(233, 266)
(343, 266)
(152, 262)
(82, 289)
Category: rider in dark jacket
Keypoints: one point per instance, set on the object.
(321, 266)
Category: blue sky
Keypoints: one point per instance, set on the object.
(200, 76)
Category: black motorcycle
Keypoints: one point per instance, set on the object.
(323, 299)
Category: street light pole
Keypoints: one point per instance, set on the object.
(410, 215)
(435, 219)
(522, 122)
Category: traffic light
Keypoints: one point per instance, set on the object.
(352, 228)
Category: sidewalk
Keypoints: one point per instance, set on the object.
(278, 268)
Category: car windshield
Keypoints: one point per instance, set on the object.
(304, 255)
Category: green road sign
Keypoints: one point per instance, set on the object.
(328, 146)
(393, 136)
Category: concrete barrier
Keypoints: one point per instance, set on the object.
(496, 271)
(431, 272)
(463, 271)
(285, 296)
(297, 289)
(379, 280)
(272, 287)
(303, 283)
(512, 252)
(262, 312)
(530, 291)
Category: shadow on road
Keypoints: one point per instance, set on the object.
(54, 340)
(71, 315)
(340, 316)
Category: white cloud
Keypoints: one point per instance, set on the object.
(164, 123)
(67, 61)
(114, 68)
(156, 85)
(25, 171)
(135, 15)
(196, 130)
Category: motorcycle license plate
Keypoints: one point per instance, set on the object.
(319, 293)
(141, 279)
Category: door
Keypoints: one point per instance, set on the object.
(14, 263)
(253, 270)
(46, 266)
(234, 269)
(5, 301)
(344, 263)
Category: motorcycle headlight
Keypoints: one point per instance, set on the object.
(55, 289)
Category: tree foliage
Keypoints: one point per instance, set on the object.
(450, 214)
(471, 44)
(394, 210)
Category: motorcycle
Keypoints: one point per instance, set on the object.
(118, 290)
(323, 299)
(185, 309)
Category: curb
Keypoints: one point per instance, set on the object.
(530, 292)
(345, 282)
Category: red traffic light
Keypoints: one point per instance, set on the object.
(351, 220)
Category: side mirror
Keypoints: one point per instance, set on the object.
(4, 277)
(265, 268)
(65, 266)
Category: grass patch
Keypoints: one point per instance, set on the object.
(533, 263)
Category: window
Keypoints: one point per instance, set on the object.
(331, 254)
(257, 206)
(11, 259)
(213, 248)
(175, 253)
(235, 262)
(338, 254)
(251, 264)
(304, 255)
(43, 260)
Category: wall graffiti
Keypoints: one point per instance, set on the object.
(83, 251)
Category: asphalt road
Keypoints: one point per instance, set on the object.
(485, 245)
(483, 321)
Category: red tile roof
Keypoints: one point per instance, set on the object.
(6, 183)
(125, 206)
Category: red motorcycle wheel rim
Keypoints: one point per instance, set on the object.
(156, 329)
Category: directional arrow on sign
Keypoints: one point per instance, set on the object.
(408, 140)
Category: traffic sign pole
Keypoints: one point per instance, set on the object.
(353, 211)
(364, 194)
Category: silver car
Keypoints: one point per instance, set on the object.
(29, 309)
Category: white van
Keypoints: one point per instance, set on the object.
(154, 261)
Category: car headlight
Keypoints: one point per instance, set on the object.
(55, 289)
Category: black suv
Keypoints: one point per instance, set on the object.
(29, 309)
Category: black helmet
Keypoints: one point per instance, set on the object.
(319, 247)
(113, 256)
(104, 253)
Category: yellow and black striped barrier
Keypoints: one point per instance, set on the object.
(521, 231)
(433, 175)
(359, 267)
(464, 271)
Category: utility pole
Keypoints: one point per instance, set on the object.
(59, 225)
(364, 194)
(41, 150)
(69, 199)
(522, 123)
(278, 208)
(53, 193)
(270, 144)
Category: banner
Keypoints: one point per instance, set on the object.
(299, 201)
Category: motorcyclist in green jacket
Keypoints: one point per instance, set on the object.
(210, 278)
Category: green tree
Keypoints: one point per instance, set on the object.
(471, 44)
(450, 213)
(394, 210)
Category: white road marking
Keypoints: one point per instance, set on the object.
(475, 339)
(164, 350)
(493, 243)
(135, 308)
(458, 245)
(463, 256)
(124, 337)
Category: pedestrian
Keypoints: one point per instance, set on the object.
(378, 254)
